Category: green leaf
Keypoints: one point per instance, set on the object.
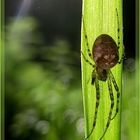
(100, 17)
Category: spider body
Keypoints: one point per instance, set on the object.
(105, 52)
(105, 55)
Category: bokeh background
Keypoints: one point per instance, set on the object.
(43, 96)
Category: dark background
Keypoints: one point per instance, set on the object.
(62, 18)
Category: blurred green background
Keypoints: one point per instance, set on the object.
(43, 96)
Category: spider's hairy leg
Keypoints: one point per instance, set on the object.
(87, 60)
(96, 107)
(111, 107)
(93, 77)
(122, 57)
(118, 94)
(118, 30)
(86, 38)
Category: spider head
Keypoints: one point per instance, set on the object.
(102, 74)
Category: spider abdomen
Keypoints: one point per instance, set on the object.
(105, 52)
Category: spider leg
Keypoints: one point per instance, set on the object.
(87, 60)
(96, 107)
(118, 94)
(111, 107)
(122, 57)
(118, 30)
(86, 38)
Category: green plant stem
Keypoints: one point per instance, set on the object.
(100, 18)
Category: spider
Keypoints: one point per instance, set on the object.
(105, 54)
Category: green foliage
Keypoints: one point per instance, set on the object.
(100, 17)
(43, 96)
(130, 102)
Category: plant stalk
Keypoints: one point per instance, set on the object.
(100, 17)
